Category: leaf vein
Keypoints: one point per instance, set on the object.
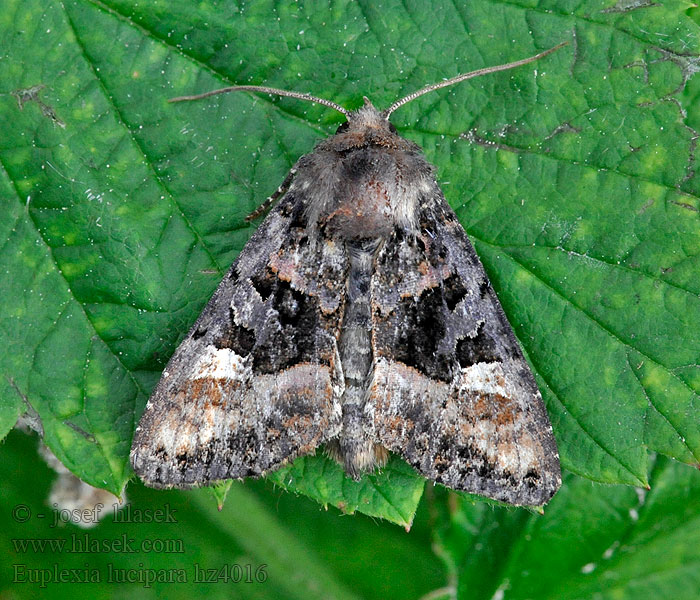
(656, 408)
(147, 160)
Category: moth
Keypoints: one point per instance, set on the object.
(358, 316)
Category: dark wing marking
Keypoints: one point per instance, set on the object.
(452, 392)
(257, 380)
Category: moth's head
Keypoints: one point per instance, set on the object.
(367, 125)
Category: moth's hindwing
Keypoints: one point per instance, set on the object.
(452, 393)
(257, 380)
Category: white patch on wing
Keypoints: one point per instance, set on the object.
(492, 378)
(489, 378)
(219, 363)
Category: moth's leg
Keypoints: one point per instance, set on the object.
(281, 190)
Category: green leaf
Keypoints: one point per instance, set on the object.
(627, 543)
(576, 178)
(392, 493)
(220, 492)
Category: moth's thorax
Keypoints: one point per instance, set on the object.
(369, 179)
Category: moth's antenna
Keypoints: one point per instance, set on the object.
(264, 90)
(463, 76)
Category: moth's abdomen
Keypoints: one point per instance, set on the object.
(355, 449)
